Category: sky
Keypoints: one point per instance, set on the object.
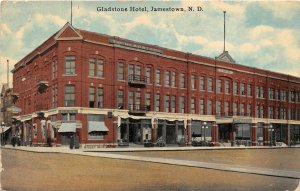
(261, 34)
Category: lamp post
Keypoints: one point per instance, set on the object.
(204, 126)
(270, 129)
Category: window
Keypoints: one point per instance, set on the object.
(277, 95)
(54, 69)
(137, 71)
(173, 104)
(137, 100)
(100, 68)
(248, 110)
(167, 103)
(91, 67)
(54, 96)
(173, 79)
(148, 75)
(271, 93)
(201, 105)
(257, 111)
(257, 92)
(202, 83)
(157, 77)
(242, 109)
(181, 104)
(226, 108)
(235, 88)
(261, 114)
(157, 102)
(262, 92)
(243, 132)
(91, 97)
(271, 113)
(193, 104)
(120, 102)
(130, 100)
(218, 108)
(193, 82)
(69, 95)
(70, 65)
(130, 70)
(249, 90)
(209, 107)
(91, 122)
(282, 95)
(234, 109)
(100, 97)
(292, 96)
(68, 117)
(120, 71)
(219, 86)
(242, 89)
(182, 81)
(210, 84)
(167, 78)
(148, 99)
(227, 88)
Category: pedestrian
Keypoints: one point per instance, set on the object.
(13, 140)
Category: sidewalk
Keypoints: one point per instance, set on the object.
(215, 166)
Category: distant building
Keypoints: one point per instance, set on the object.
(109, 90)
(8, 111)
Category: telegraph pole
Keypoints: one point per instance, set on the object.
(7, 74)
(224, 30)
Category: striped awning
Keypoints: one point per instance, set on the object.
(67, 128)
(3, 129)
(97, 126)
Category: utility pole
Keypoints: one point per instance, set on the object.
(224, 30)
(71, 12)
(7, 74)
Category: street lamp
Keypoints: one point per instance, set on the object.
(270, 129)
(204, 126)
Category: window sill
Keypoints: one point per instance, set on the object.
(96, 77)
(67, 75)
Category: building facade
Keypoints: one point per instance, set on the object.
(109, 91)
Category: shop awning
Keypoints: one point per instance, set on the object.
(3, 129)
(67, 128)
(97, 126)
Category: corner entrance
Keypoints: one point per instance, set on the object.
(224, 133)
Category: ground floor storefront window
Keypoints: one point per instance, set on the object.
(295, 134)
(138, 131)
(279, 134)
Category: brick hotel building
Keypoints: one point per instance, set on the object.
(108, 90)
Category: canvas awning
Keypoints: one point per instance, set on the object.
(97, 126)
(67, 128)
(3, 129)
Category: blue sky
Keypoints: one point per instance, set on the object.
(261, 34)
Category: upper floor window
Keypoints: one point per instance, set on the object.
(157, 102)
(181, 104)
(219, 86)
(227, 88)
(167, 103)
(91, 67)
(182, 81)
(100, 97)
(249, 90)
(209, 107)
(69, 96)
(218, 108)
(242, 89)
(193, 105)
(157, 77)
(173, 79)
(235, 88)
(120, 100)
(173, 104)
(54, 69)
(167, 78)
(193, 82)
(148, 74)
(210, 84)
(202, 83)
(120, 71)
(100, 68)
(91, 97)
(271, 93)
(69, 64)
(201, 105)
